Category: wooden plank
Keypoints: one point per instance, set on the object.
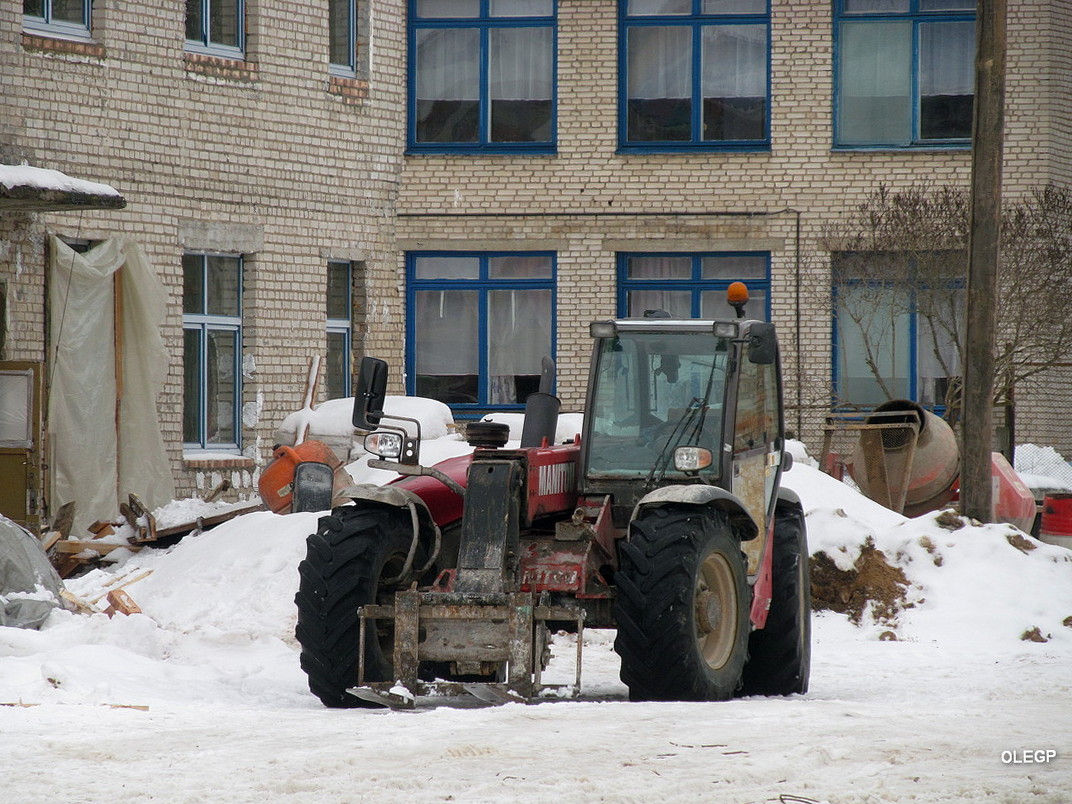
(64, 519)
(125, 583)
(72, 547)
(204, 523)
(220, 487)
(121, 603)
(140, 511)
(49, 540)
(81, 606)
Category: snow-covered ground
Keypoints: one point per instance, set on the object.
(201, 698)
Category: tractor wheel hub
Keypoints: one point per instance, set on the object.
(708, 612)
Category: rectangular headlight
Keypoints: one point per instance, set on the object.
(726, 329)
(602, 329)
(692, 459)
(386, 445)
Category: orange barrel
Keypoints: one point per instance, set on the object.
(276, 485)
(1056, 525)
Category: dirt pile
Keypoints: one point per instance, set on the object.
(872, 586)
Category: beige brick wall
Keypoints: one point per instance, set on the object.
(273, 153)
(266, 157)
(574, 200)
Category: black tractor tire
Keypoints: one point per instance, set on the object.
(354, 551)
(682, 606)
(779, 654)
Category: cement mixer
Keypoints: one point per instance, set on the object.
(907, 460)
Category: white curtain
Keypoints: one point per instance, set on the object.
(96, 461)
(446, 332)
(660, 62)
(947, 66)
(448, 66)
(519, 330)
(520, 64)
(660, 268)
(735, 61)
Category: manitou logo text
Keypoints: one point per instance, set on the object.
(556, 478)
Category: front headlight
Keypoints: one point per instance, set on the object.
(692, 459)
(386, 445)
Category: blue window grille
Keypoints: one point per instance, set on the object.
(70, 18)
(482, 76)
(342, 37)
(216, 27)
(212, 351)
(339, 369)
(904, 73)
(478, 326)
(694, 74)
(692, 285)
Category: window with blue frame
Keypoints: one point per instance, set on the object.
(482, 75)
(216, 27)
(339, 329)
(342, 37)
(694, 73)
(478, 326)
(62, 17)
(212, 350)
(692, 285)
(895, 338)
(905, 72)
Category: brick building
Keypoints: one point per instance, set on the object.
(459, 186)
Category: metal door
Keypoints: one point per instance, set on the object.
(21, 481)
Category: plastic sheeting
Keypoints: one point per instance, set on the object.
(97, 461)
(29, 586)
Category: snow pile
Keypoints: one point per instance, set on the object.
(1043, 468)
(964, 585)
(217, 623)
(569, 425)
(335, 417)
(45, 179)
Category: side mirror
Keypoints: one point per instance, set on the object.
(371, 390)
(762, 343)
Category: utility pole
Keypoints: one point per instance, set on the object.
(984, 252)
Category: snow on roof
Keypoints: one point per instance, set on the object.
(45, 179)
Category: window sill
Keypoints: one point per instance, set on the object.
(352, 90)
(227, 69)
(929, 148)
(215, 461)
(62, 44)
(487, 150)
(695, 148)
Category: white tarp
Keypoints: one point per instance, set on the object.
(96, 463)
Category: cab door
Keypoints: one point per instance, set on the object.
(21, 490)
(757, 452)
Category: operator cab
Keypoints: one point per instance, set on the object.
(679, 402)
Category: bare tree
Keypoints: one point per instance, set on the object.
(904, 253)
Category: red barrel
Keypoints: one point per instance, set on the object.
(1056, 516)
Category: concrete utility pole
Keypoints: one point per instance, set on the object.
(984, 251)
